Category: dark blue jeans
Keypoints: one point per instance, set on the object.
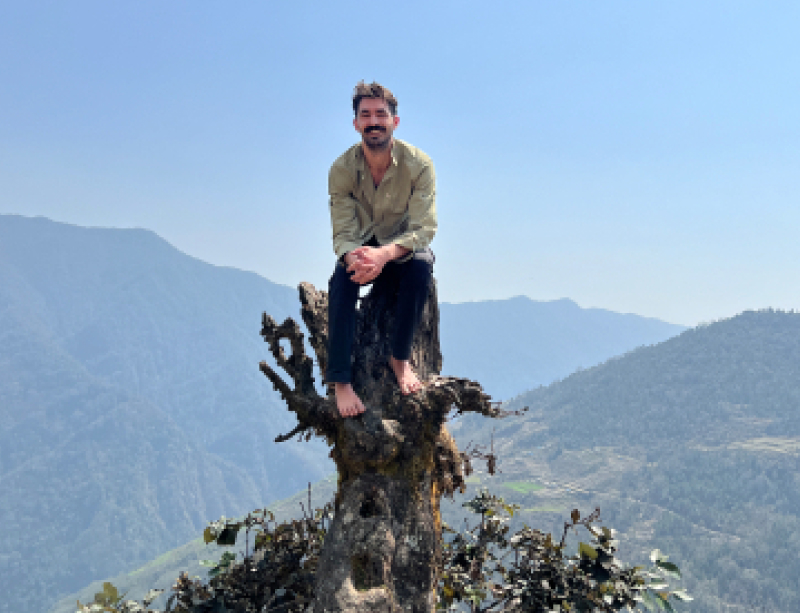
(411, 280)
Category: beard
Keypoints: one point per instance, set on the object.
(377, 139)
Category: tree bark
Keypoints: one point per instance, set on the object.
(395, 461)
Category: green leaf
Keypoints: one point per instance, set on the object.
(669, 567)
(664, 603)
(650, 602)
(228, 536)
(151, 596)
(208, 536)
(109, 596)
(587, 551)
(227, 558)
(682, 595)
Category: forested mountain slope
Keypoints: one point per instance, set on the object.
(131, 406)
(692, 446)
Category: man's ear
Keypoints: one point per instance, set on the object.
(396, 120)
(355, 124)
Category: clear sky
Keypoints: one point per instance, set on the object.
(640, 156)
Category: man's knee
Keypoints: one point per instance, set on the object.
(419, 273)
(340, 282)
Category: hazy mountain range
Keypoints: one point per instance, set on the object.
(132, 411)
(691, 446)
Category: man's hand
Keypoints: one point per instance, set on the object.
(363, 265)
(366, 263)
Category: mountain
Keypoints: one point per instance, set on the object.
(518, 344)
(691, 446)
(131, 406)
(132, 411)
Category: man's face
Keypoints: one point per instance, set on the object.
(375, 123)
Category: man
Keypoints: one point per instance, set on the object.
(383, 213)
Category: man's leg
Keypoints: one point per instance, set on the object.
(342, 298)
(413, 286)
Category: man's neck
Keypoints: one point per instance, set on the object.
(378, 160)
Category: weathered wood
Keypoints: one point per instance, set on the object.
(395, 461)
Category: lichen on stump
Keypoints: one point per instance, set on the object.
(395, 461)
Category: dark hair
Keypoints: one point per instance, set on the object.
(373, 90)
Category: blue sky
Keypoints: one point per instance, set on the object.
(636, 156)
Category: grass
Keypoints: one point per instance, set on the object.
(769, 444)
(544, 510)
(523, 487)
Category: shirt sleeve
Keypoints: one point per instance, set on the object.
(344, 218)
(421, 212)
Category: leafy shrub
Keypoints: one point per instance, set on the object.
(484, 569)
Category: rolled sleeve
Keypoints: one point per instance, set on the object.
(344, 211)
(421, 212)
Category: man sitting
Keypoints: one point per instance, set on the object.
(383, 213)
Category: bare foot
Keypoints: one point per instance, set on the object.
(348, 403)
(406, 378)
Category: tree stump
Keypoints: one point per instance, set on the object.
(395, 461)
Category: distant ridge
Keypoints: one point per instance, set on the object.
(519, 344)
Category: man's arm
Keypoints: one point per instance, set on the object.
(344, 218)
(421, 211)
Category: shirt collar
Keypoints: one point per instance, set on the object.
(361, 160)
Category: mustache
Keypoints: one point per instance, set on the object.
(375, 129)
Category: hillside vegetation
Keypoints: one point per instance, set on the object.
(692, 446)
(131, 409)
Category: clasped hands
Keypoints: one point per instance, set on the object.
(366, 263)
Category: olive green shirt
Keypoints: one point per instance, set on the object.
(401, 210)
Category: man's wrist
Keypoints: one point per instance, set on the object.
(394, 252)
